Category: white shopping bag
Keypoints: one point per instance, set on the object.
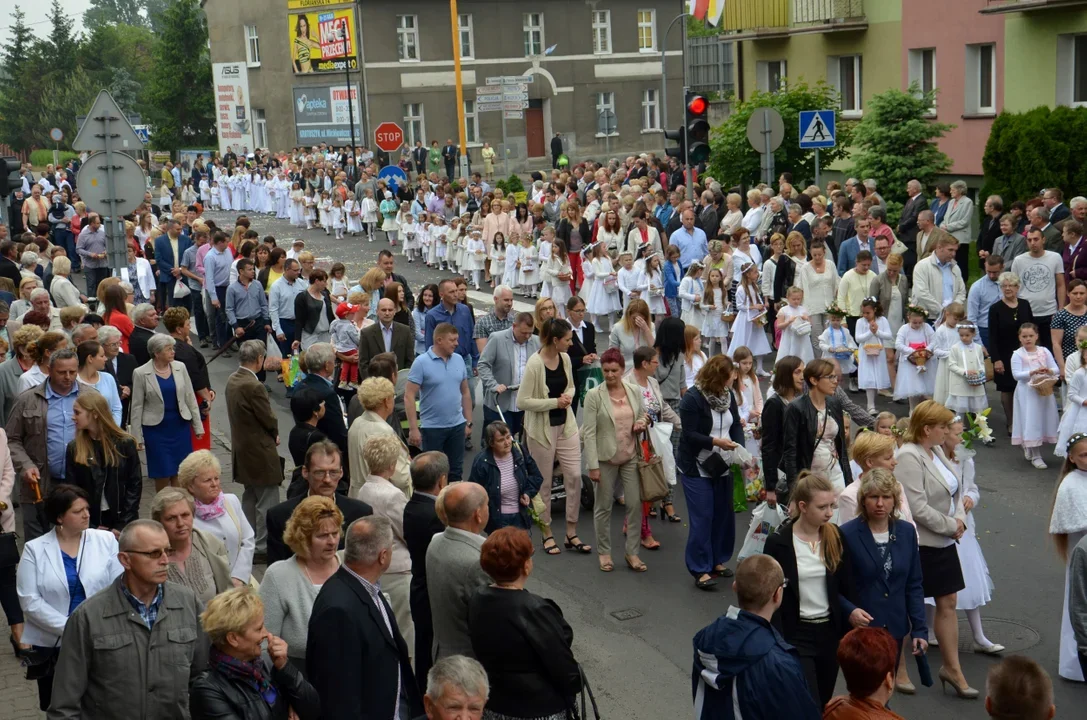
(660, 436)
(764, 521)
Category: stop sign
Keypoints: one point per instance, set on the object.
(388, 136)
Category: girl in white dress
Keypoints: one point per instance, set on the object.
(407, 231)
(836, 342)
(439, 231)
(748, 330)
(975, 571)
(506, 259)
(544, 246)
(749, 397)
(368, 210)
(1034, 418)
(916, 376)
(947, 335)
(693, 357)
(474, 255)
(558, 269)
(631, 281)
(188, 195)
(873, 337)
(336, 216)
(654, 277)
(337, 284)
(205, 191)
(216, 195)
(323, 214)
(586, 289)
(966, 366)
(604, 297)
(691, 290)
(298, 210)
(1067, 525)
(351, 210)
(714, 300)
(309, 204)
(528, 276)
(792, 320)
(1074, 418)
(283, 188)
(426, 240)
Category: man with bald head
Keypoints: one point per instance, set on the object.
(386, 335)
(453, 572)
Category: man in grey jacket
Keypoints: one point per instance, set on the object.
(453, 572)
(501, 367)
(124, 651)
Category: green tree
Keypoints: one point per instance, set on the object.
(120, 51)
(124, 89)
(114, 12)
(1036, 149)
(20, 93)
(61, 50)
(64, 98)
(732, 159)
(181, 106)
(895, 143)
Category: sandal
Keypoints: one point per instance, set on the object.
(655, 546)
(672, 517)
(707, 584)
(606, 565)
(635, 564)
(553, 548)
(574, 543)
(652, 513)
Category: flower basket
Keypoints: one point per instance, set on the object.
(872, 349)
(1044, 384)
(920, 357)
(975, 380)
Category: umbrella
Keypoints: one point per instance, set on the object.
(230, 343)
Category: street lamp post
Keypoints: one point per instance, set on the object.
(664, 69)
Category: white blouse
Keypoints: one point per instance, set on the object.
(812, 577)
(953, 483)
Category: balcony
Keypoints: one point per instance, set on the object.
(997, 7)
(749, 19)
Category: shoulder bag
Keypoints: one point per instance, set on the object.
(651, 478)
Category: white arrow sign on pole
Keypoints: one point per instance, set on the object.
(488, 107)
(511, 79)
(508, 97)
(514, 115)
(515, 105)
(489, 98)
(488, 89)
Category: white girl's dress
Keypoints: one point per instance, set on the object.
(656, 294)
(474, 254)
(792, 343)
(509, 257)
(961, 395)
(751, 401)
(604, 297)
(1034, 419)
(354, 220)
(691, 311)
(1070, 518)
(335, 214)
(529, 274)
(872, 373)
(1074, 419)
(908, 381)
(560, 290)
(837, 338)
(745, 333)
(713, 304)
(946, 338)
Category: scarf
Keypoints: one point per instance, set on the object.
(718, 403)
(251, 673)
(211, 510)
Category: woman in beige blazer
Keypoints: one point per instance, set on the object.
(163, 408)
(377, 396)
(545, 396)
(934, 491)
(614, 416)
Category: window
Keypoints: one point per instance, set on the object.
(467, 37)
(413, 124)
(769, 74)
(407, 37)
(260, 129)
(844, 73)
(534, 34)
(252, 47)
(650, 110)
(1079, 70)
(471, 122)
(922, 69)
(606, 122)
(647, 30)
(980, 79)
(601, 32)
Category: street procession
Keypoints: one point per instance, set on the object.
(706, 359)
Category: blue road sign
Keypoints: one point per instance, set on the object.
(817, 129)
(393, 175)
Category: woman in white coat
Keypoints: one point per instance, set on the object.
(9, 598)
(218, 513)
(61, 569)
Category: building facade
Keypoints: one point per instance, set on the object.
(590, 68)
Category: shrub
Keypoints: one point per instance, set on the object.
(41, 158)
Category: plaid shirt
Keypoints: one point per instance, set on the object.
(149, 613)
(489, 324)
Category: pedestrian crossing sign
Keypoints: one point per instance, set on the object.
(817, 129)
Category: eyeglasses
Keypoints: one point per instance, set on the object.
(828, 377)
(322, 474)
(784, 583)
(152, 554)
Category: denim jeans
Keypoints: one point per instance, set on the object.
(65, 239)
(449, 440)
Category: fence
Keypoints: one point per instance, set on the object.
(6, 151)
(710, 65)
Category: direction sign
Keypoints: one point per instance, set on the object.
(489, 98)
(514, 96)
(513, 115)
(509, 79)
(488, 90)
(393, 175)
(56, 135)
(388, 136)
(768, 121)
(129, 183)
(817, 129)
(515, 105)
(144, 132)
(488, 107)
(91, 135)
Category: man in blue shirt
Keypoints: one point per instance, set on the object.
(847, 253)
(690, 240)
(983, 293)
(216, 280)
(247, 307)
(441, 376)
(451, 310)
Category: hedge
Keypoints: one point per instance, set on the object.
(41, 158)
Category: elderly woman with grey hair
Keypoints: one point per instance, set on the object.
(163, 408)
(64, 292)
(198, 559)
(28, 261)
(957, 222)
(456, 684)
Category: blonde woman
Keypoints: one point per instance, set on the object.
(217, 513)
(377, 396)
(65, 294)
(635, 330)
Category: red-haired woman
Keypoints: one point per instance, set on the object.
(867, 657)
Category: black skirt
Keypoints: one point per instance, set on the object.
(941, 573)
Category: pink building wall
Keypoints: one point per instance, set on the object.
(949, 27)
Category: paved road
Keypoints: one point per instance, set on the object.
(633, 631)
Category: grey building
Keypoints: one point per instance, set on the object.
(580, 58)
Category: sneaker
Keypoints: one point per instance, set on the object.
(1038, 462)
(853, 385)
(1026, 454)
(203, 342)
(872, 411)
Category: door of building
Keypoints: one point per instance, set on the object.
(534, 131)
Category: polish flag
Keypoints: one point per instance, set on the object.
(698, 8)
(714, 10)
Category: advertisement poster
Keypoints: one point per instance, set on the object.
(321, 114)
(233, 118)
(308, 4)
(323, 42)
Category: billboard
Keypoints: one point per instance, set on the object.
(307, 4)
(323, 42)
(321, 114)
(233, 119)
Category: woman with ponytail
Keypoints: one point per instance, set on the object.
(815, 611)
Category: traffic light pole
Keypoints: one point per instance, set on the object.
(664, 67)
(688, 173)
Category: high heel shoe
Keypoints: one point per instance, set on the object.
(671, 516)
(906, 688)
(965, 692)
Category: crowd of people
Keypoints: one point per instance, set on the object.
(388, 558)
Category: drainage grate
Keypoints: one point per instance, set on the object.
(1014, 636)
(628, 614)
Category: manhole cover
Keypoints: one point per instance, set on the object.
(631, 614)
(1015, 637)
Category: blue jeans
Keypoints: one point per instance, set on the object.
(450, 441)
(983, 333)
(287, 326)
(712, 533)
(66, 240)
(514, 419)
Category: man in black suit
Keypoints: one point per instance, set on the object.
(1053, 199)
(9, 268)
(146, 319)
(990, 228)
(386, 335)
(322, 472)
(429, 474)
(356, 658)
(582, 346)
(450, 153)
(419, 157)
(120, 365)
(907, 223)
(556, 150)
(320, 367)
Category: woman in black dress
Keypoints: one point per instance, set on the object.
(1006, 316)
(788, 384)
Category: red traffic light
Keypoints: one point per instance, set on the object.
(697, 105)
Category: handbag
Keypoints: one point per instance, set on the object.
(651, 478)
(714, 466)
(41, 662)
(586, 689)
(9, 550)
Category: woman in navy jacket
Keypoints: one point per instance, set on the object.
(485, 472)
(885, 566)
(710, 424)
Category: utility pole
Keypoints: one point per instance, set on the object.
(462, 135)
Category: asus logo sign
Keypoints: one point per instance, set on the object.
(231, 71)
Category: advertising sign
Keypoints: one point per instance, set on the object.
(307, 4)
(233, 118)
(323, 42)
(321, 114)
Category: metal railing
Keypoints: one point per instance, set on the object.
(819, 12)
(754, 15)
(710, 65)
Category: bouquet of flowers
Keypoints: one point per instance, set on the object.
(976, 427)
